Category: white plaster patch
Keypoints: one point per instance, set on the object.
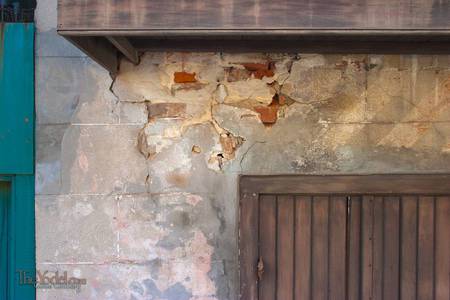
(83, 208)
(193, 199)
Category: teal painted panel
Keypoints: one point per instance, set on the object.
(18, 246)
(5, 193)
(22, 232)
(16, 98)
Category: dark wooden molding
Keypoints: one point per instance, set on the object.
(125, 47)
(294, 26)
(435, 184)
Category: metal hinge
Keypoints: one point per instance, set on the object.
(260, 268)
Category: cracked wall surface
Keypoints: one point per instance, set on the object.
(137, 178)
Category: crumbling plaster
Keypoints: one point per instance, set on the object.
(136, 178)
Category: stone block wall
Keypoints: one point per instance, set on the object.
(137, 177)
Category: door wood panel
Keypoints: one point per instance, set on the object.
(350, 246)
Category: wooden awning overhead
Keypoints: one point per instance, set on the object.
(101, 27)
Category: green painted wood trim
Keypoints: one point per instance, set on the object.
(5, 195)
(16, 98)
(22, 237)
(17, 195)
(17, 154)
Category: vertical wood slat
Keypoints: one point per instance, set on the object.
(285, 247)
(408, 254)
(442, 252)
(377, 249)
(303, 248)
(383, 248)
(425, 248)
(354, 249)
(337, 247)
(367, 231)
(320, 248)
(267, 242)
(391, 248)
(248, 251)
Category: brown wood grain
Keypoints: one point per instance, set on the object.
(354, 253)
(391, 248)
(316, 246)
(367, 255)
(337, 247)
(303, 248)
(285, 247)
(425, 256)
(377, 249)
(248, 248)
(408, 280)
(252, 14)
(349, 184)
(267, 246)
(442, 254)
(319, 253)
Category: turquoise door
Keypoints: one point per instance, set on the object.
(17, 230)
(4, 200)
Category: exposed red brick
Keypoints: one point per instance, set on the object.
(342, 64)
(184, 77)
(267, 114)
(166, 110)
(236, 74)
(281, 100)
(260, 70)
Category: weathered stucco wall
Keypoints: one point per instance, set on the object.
(137, 178)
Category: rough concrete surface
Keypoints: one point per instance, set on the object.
(137, 177)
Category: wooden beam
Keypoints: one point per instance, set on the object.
(125, 47)
(99, 49)
(254, 14)
(385, 184)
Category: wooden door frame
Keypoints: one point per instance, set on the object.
(251, 187)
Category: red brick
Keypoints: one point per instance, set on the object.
(260, 70)
(267, 114)
(166, 110)
(184, 77)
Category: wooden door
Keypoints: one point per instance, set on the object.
(323, 237)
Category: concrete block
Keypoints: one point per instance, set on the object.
(103, 159)
(50, 44)
(408, 147)
(389, 94)
(98, 104)
(167, 110)
(48, 158)
(134, 113)
(75, 229)
(60, 83)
